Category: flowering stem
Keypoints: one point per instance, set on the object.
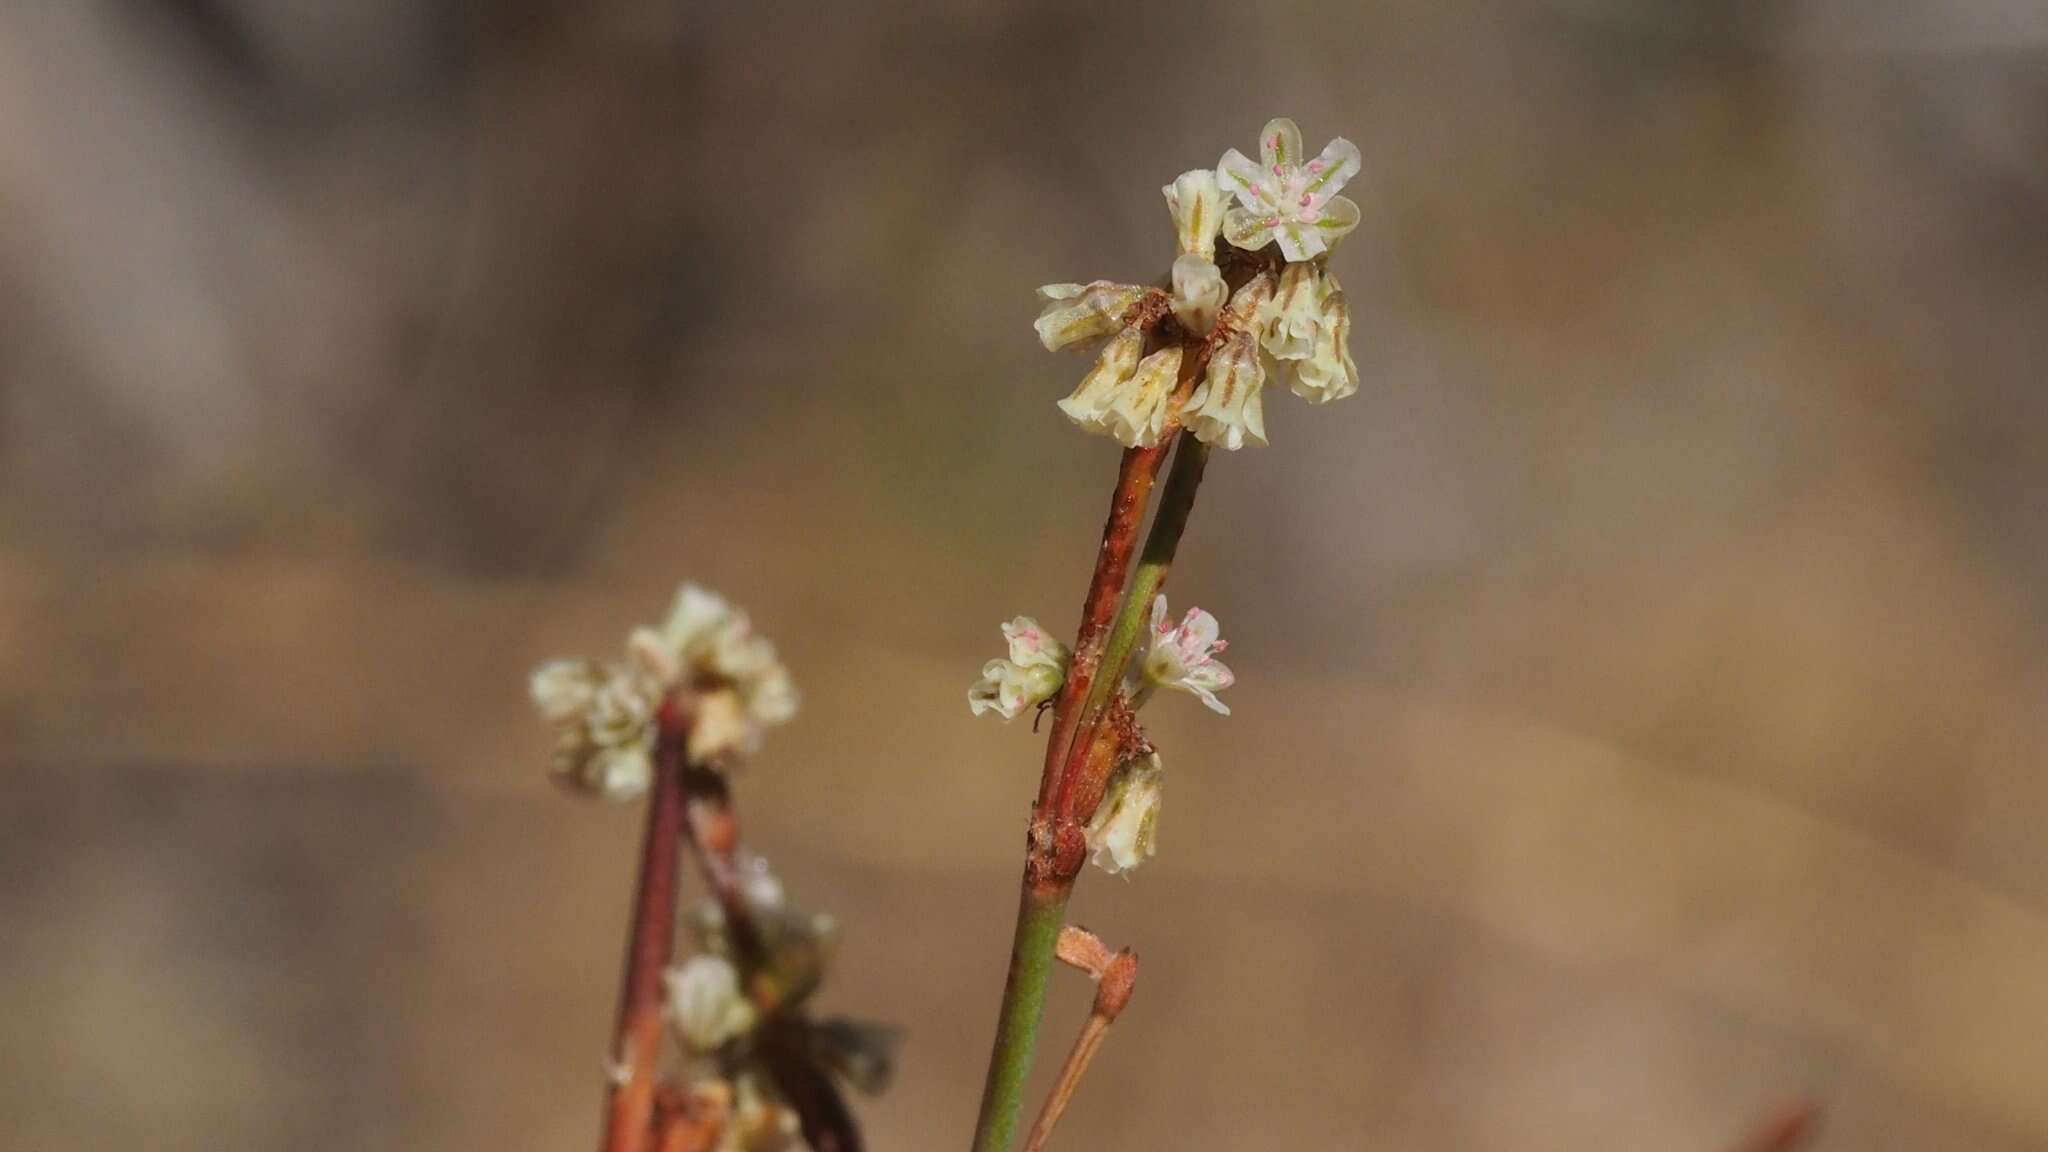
(1087, 768)
(636, 1041)
(1134, 480)
(713, 833)
(1056, 846)
(1055, 849)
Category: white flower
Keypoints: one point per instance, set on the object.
(1032, 675)
(1196, 201)
(1124, 832)
(1198, 292)
(1124, 397)
(603, 718)
(1285, 199)
(562, 690)
(705, 1003)
(1225, 410)
(739, 684)
(1183, 656)
(1077, 313)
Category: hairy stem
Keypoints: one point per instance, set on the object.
(1031, 958)
(636, 1041)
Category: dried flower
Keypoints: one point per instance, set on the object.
(1328, 372)
(1183, 656)
(1196, 201)
(1032, 675)
(1290, 320)
(1286, 200)
(1112, 372)
(1078, 313)
(1225, 409)
(705, 1003)
(1307, 329)
(603, 718)
(1124, 398)
(1124, 832)
(1198, 292)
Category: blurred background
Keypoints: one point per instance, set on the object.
(1643, 684)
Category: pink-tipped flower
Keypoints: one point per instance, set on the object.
(1288, 198)
(1183, 655)
(1032, 675)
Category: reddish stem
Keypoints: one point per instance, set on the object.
(636, 1040)
(713, 833)
(1134, 480)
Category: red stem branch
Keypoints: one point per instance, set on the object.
(1140, 467)
(636, 1039)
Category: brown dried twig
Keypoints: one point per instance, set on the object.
(1116, 976)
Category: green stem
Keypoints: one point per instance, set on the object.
(1039, 916)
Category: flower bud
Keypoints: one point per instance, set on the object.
(1198, 292)
(1196, 201)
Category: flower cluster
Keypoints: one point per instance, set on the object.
(604, 714)
(726, 1037)
(1031, 676)
(1262, 302)
(1180, 656)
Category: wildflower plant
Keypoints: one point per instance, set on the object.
(1180, 369)
(748, 1069)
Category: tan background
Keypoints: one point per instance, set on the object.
(1643, 697)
